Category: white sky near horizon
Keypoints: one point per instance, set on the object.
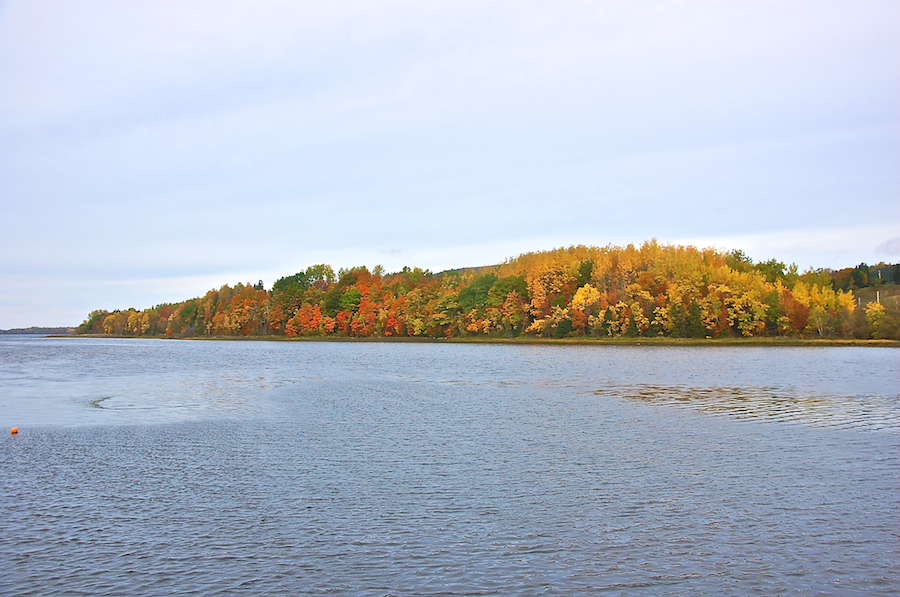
(152, 151)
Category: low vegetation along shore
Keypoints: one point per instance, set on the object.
(653, 293)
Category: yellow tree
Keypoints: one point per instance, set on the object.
(829, 311)
(875, 314)
(586, 298)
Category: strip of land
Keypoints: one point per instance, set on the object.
(622, 295)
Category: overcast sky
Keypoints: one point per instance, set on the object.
(150, 151)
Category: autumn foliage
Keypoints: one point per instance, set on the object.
(579, 291)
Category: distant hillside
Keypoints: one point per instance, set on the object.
(39, 330)
(649, 290)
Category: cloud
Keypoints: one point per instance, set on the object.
(890, 247)
(818, 247)
(172, 141)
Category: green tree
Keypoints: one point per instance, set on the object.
(332, 300)
(679, 320)
(860, 276)
(501, 288)
(585, 270)
(350, 299)
(632, 330)
(695, 327)
(739, 261)
(91, 325)
(771, 269)
(563, 328)
(475, 294)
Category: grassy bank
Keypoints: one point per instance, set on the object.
(643, 341)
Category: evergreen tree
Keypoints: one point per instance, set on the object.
(695, 327)
(679, 321)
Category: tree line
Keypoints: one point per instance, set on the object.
(579, 291)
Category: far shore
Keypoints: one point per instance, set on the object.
(644, 341)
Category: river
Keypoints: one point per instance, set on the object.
(148, 467)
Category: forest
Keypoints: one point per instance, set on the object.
(650, 290)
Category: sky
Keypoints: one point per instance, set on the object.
(151, 151)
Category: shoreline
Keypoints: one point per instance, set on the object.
(645, 341)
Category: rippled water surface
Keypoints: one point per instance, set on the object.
(148, 467)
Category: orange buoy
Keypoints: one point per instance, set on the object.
(14, 430)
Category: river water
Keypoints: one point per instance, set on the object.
(150, 467)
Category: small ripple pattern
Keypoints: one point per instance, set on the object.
(253, 468)
(865, 413)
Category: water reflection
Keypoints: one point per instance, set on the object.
(784, 405)
(98, 403)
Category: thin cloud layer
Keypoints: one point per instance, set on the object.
(181, 141)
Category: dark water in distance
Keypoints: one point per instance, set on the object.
(261, 468)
